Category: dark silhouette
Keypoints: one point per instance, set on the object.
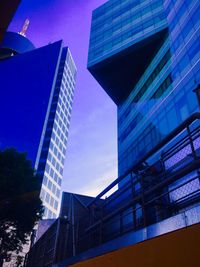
(20, 205)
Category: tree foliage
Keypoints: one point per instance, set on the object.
(20, 205)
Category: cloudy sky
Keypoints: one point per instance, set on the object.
(91, 161)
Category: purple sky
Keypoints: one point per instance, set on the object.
(91, 161)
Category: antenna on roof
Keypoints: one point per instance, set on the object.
(25, 27)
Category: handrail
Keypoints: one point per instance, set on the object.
(181, 142)
(180, 173)
(174, 133)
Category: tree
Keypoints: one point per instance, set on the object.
(20, 205)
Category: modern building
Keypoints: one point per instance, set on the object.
(13, 44)
(146, 56)
(36, 92)
(58, 242)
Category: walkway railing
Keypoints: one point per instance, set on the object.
(152, 192)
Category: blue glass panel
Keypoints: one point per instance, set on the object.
(26, 83)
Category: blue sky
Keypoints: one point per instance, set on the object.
(91, 160)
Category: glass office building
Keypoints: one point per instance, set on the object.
(37, 89)
(53, 144)
(145, 54)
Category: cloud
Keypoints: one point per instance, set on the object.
(97, 186)
(92, 187)
(92, 153)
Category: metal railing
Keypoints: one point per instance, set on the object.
(152, 193)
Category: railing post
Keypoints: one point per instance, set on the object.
(121, 223)
(164, 171)
(101, 228)
(133, 194)
(132, 185)
(143, 202)
(163, 163)
(191, 143)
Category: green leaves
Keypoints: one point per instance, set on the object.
(20, 205)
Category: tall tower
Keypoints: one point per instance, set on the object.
(53, 144)
(148, 68)
(37, 86)
(145, 55)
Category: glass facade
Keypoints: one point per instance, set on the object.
(168, 99)
(146, 56)
(118, 24)
(51, 155)
(141, 125)
(37, 110)
(163, 95)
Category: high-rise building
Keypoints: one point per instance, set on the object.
(36, 93)
(145, 54)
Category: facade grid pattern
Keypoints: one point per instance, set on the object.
(53, 152)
